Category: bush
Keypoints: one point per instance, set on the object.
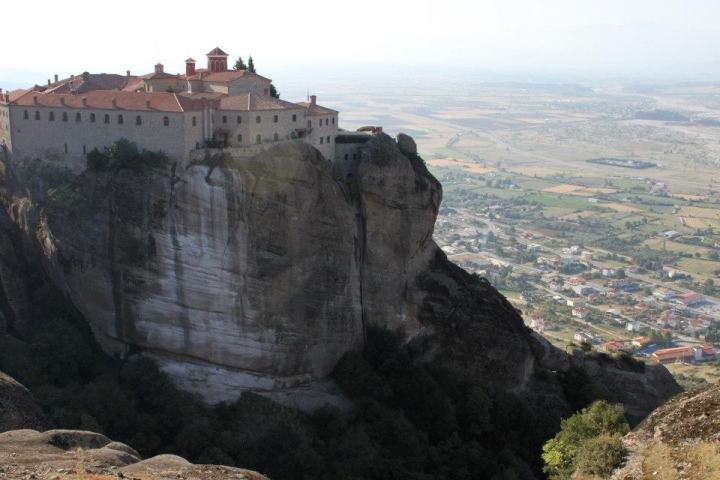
(124, 154)
(588, 440)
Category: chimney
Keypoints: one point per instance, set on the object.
(62, 101)
(56, 78)
(189, 67)
(159, 68)
(49, 82)
(7, 97)
(147, 103)
(35, 101)
(114, 103)
(313, 98)
(127, 72)
(84, 100)
(86, 76)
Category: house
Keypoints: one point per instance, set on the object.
(663, 293)
(609, 272)
(584, 337)
(580, 312)
(632, 326)
(687, 354)
(689, 299)
(640, 341)
(575, 302)
(613, 347)
(581, 290)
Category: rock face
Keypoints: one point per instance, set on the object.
(88, 455)
(678, 440)
(261, 272)
(18, 408)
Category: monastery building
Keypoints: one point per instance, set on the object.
(177, 114)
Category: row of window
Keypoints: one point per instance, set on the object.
(78, 118)
(276, 119)
(321, 139)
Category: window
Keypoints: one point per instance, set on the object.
(328, 139)
(294, 118)
(257, 119)
(321, 140)
(275, 137)
(107, 118)
(239, 119)
(138, 120)
(84, 149)
(354, 156)
(258, 139)
(65, 117)
(37, 115)
(120, 120)
(194, 122)
(92, 118)
(327, 122)
(239, 137)
(346, 156)
(309, 123)
(66, 148)
(166, 121)
(275, 119)
(224, 118)
(333, 121)
(78, 117)
(52, 116)
(26, 115)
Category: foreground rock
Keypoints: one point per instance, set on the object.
(64, 454)
(681, 439)
(18, 408)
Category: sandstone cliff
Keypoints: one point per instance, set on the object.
(261, 272)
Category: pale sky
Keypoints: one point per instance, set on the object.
(283, 36)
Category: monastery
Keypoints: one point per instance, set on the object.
(178, 114)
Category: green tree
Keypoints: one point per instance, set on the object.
(240, 65)
(251, 65)
(273, 91)
(588, 441)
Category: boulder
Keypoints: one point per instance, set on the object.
(18, 409)
(406, 144)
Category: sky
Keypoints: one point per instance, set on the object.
(604, 37)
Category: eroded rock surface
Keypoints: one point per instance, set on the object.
(60, 454)
(260, 272)
(18, 408)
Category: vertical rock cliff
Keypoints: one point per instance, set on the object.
(260, 272)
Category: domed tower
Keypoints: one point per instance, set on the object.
(217, 60)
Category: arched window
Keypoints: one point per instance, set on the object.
(194, 122)
(65, 117)
(78, 117)
(309, 123)
(257, 119)
(52, 116)
(294, 118)
(107, 118)
(321, 140)
(138, 120)
(239, 119)
(239, 137)
(166, 121)
(37, 115)
(275, 119)
(92, 118)
(120, 119)
(26, 115)
(275, 137)
(224, 118)
(258, 139)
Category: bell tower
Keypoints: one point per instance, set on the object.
(189, 67)
(217, 60)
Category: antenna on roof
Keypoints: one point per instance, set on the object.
(308, 95)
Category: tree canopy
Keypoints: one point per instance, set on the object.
(251, 65)
(240, 64)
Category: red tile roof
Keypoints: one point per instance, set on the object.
(230, 75)
(252, 102)
(217, 51)
(103, 99)
(682, 352)
(314, 109)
